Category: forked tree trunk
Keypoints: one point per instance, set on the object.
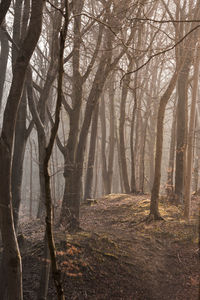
(72, 194)
(11, 254)
(56, 272)
(154, 209)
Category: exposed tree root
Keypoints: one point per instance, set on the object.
(154, 217)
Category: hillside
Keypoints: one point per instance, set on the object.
(117, 255)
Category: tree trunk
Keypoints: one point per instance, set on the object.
(18, 158)
(45, 272)
(4, 6)
(133, 179)
(73, 172)
(105, 177)
(121, 132)
(3, 62)
(11, 254)
(154, 209)
(170, 171)
(111, 154)
(189, 157)
(91, 156)
(181, 129)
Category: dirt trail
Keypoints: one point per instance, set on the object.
(116, 256)
(164, 254)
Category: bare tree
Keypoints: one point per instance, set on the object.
(13, 270)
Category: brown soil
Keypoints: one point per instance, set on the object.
(117, 255)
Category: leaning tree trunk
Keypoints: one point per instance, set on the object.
(11, 254)
(154, 210)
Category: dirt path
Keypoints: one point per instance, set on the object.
(163, 254)
(118, 257)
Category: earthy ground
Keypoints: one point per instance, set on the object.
(117, 255)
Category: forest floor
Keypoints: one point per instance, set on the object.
(118, 256)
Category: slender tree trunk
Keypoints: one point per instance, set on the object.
(121, 132)
(91, 156)
(133, 179)
(31, 182)
(3, 62)
(18, 158)
(197, 151)
(106, 183)
(154, 209)
(170, 171)
(189, 157)
(56, 273)
(181, 129)
(45, 272)
(142, 153)
(111, 155)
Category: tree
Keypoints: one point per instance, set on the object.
(4, 6)
(154, 209)
(190, 140)
(11, 256)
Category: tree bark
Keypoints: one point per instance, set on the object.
(170, 171)
(154, 209)
(105, 177)
(91, 156)
(121, 132)
(190, 140)
(3, 62)
(11, 254)
(4, 6)
(181, 129)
